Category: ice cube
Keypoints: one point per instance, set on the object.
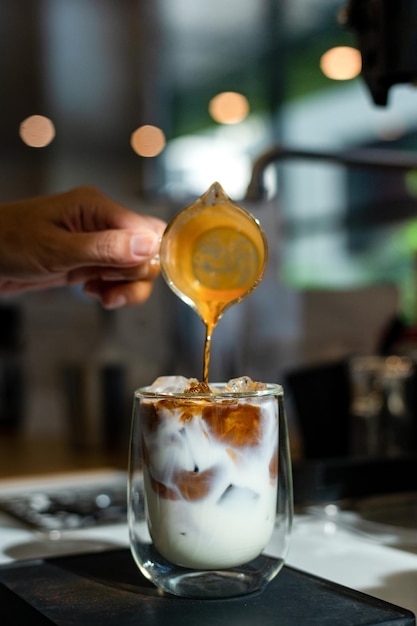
(171, 384)
(181, 384)
(235, 496)
(242, 384)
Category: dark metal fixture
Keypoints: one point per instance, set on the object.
(392, 160)
(386, 32)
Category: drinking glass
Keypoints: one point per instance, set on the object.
(210, 499)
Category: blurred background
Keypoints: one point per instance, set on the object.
(152, 101)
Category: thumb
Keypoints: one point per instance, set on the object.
(113, 247)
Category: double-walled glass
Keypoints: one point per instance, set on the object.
(210, 491)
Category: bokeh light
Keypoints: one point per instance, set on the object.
(341, 63)
(148, 141)
(37, 131)
(229, 107)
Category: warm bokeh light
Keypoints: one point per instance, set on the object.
(341, 63)
(148, 141)
(229, 107)
(37, 131)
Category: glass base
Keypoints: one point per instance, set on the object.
(208, 584)
(212, 585)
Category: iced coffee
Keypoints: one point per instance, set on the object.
(210, 471)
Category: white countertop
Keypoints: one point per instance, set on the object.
(318, 546)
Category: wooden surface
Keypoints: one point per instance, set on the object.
(29, 457)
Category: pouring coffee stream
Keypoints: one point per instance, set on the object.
(213, 255)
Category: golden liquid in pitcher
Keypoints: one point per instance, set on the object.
(220, 257)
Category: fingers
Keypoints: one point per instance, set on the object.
(118, 287)
(114, 295)
(121, 248)
(144, 271)
(92, 229)
(89, 209)
(11, 286)
(79, 237)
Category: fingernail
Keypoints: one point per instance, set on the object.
(144, 244)
(117, 302)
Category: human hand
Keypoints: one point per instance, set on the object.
(79, 237)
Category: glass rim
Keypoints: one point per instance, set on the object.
(272, 389)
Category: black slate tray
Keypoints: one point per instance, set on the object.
(106, 589)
